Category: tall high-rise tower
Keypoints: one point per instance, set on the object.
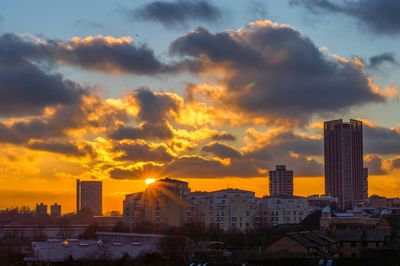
(281, 181)
(365, 178)
(89, 196)
(343, 147)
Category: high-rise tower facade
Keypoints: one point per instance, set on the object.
(281, 181)
(89, 196)
(343, 150)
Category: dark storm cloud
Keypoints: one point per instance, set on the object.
(221, 150)
(381, 140)
(395, 163)
(24, 87)
(118, 173)
(66, 148)
(280, 148)
(276, 72)
(223, 136)
(21, 132)
(288, 141)
(379, 16)
(176, 13)
(198, 167)
(374, 164)
(154, 109)
(101, 53)
(378, 60)
(190, 167)
(142, 152)
(107, 54)
(252, 163)
(144, 131)
(144, 171)
(40, 130)
(300, 164)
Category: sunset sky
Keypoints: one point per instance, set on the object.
(212, 92)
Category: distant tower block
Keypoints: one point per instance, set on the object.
(41, 209)
(281, 181)
(55, 210)
(343, 148)
(365, 183)
(89, 196)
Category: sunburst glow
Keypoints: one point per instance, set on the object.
(148, 181)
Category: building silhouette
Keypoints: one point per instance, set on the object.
(281, 181)
(89, 197)
(365, 183)
(343, 150)
(55, 210)
(41, 209)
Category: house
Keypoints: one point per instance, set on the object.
(310, 243)
(341, 243)
(350, 243)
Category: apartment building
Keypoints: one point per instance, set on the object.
(230, 209)
(164, 203)
(283, 210)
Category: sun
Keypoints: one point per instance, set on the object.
(148, 181)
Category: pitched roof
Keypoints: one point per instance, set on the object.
(310, 239)
(359, 235)
(376, 235)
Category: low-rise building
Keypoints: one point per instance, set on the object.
(230, 209)
(340, 243)
(108, 220)
(81, 250)
(357, 218)
(350, 243)
(284, 210)
(308, 243)
(321, 201)
(376, 201)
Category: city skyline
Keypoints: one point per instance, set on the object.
(216, 93)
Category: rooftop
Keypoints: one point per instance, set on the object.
(57, 250)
